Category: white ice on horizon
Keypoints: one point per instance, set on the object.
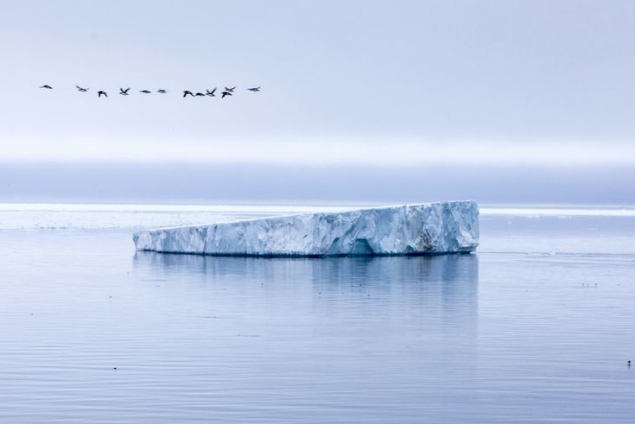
(432, 228)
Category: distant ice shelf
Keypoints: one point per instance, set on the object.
(419, 229)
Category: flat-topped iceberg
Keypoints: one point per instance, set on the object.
(432, 228)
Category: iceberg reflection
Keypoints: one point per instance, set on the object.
(435, 287)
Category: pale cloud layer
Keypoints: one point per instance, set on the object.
(388, 152)
(404, 100)
(355, 82)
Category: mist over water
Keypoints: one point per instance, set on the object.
(240, 183)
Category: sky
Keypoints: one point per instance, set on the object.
(492, 100)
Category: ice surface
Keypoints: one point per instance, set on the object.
(445, 227)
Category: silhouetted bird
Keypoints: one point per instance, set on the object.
(145, 91)
(231, 90)
(47, 86)
(83, 90)
(100, 93)
(124, 92)
(162, 91)
(211, 93)
(254, 89)
(186, 93)
(226, 93)
(199, 94)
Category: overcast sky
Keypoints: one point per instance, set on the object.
(384, 84)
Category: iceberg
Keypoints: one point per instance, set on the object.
(419, 229)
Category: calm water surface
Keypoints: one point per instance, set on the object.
(538, 326)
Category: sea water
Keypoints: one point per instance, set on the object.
(537, 326)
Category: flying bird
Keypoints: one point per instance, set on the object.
(162, 91)
(145, 91)
(100, 93)
(124, 92)
(83, 90)
(254, 89)
(187, 92)
(199, 94)
(47, 86)
(231, 90)
(211, 93)
(226, 93)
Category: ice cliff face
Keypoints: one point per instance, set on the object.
(434, 228)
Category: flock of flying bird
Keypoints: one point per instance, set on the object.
(229, 91)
